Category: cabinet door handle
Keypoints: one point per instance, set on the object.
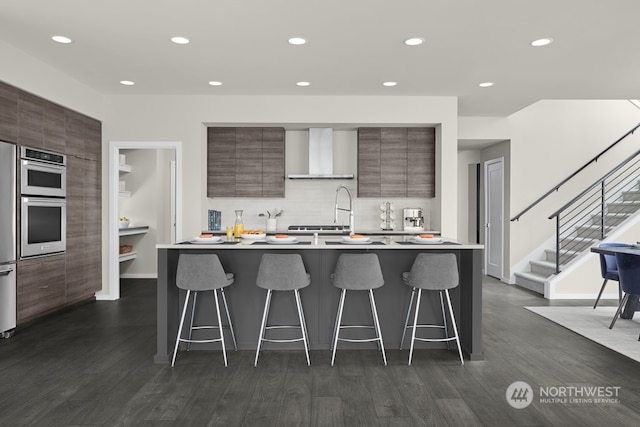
(44, 287)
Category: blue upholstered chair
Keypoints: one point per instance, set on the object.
(609, 269)
(629, 272)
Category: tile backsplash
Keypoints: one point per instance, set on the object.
(313, 202)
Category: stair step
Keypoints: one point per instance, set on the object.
(564, 258)
(543, 268)
(610, 219)
(578, 244)
(531, 281)
(624, 206)
(631, 195)
(592, 231)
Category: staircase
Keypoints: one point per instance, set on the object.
(581, 239)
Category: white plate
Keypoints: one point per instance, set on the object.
(359, 239)
(253, 236)
(206, 239)
(427, 241)
(289, 239)
(286, 242)
(356, 242)
(207, 242)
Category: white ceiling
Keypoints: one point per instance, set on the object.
(353, 46)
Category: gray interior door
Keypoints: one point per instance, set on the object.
(494, 188)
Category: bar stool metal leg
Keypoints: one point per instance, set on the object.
(303, 326)
(226, 309)
(193, 314)
(415, 325)
(455, 327)
(336, 331)
(184, 313)
(224, 350)
(406, 320)
(444, 318)
(376, 322)
(263, 326)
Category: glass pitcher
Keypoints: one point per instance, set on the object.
(238, 227)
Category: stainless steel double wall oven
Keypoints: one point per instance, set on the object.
(43, 219)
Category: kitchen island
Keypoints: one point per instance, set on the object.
(320, 298)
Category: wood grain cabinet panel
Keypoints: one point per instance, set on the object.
(41, 287)
(396, 162)
(393, 165)
(48, 283)
(421, 163)
(273, 162)
(249, 162)
(8, 113)
(369, 158)
(30, 120)
(221, 162)
(53, 133)
(245, 162)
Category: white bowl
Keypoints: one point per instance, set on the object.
(356, 239)
(206, 239)
(253, 236)
(281, 239)
(123, 224)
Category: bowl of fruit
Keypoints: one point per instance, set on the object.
(123, 222)
(253, 234)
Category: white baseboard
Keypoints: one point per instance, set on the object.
(139, 276)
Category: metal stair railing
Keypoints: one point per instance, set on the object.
(605, 197)
(570, 177)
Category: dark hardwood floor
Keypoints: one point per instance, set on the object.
(93, 365)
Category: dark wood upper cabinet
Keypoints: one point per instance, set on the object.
(421, 163)
(30, 120)
(396, 162)
(53, 132)
(245, 162)
(8, 113)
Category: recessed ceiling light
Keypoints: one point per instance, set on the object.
(303, 83)
(297, 41)
(61, 39)
(485, 84)
(414, 41)
(180, 40)
(541, 42)
(127, 82)
(215, 83)
(389, 84)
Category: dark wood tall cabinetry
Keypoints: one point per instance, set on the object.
(49, 283)
(396, 162)
(245, 162)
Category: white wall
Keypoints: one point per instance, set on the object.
(184, 118)
(551, 140)
(31, 75)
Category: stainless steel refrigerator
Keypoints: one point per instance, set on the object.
(7, 239)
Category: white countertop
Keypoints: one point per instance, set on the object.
(389, 242)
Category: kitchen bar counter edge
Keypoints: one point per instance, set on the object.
(321, 298)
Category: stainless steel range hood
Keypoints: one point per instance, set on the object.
(321, 156)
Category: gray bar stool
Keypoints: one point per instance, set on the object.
(200, 273)
(282, 272)
(433, 272)
(357, 272)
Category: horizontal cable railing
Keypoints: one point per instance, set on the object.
(595, 211)
(570, 177)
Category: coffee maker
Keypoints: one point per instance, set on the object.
(412, 219)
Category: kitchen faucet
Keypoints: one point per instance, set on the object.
(350, 210)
